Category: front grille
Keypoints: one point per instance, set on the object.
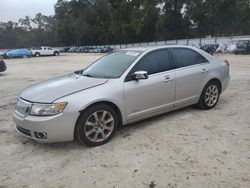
(22, 107)
(23, 131)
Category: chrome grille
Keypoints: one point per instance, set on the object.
(22, 107)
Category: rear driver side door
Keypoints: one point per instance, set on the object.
(145, 98)
(191, 75)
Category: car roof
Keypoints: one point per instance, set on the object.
(150, 48)
(240, 39)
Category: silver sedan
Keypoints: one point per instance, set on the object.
(120, 88)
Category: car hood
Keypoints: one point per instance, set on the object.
(50, 90)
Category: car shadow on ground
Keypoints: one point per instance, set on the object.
(126, 129)
(2, 73)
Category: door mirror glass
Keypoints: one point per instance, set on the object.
(140, 75)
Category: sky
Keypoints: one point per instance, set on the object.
(12, 10)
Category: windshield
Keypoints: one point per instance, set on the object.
(111, 66)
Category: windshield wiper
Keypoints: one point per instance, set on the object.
(95, 76)
(78, 72)
(88, 75)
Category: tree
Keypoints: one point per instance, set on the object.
(174, 24)
(149, 20)
(92, 22)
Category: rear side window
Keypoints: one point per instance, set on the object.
(242, 43)
(154, 62)
(37, 48)
(187, 57)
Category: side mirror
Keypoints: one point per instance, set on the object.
(140, 75)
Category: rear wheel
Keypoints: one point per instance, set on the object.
(210, 95)
(56, 53)
(37, 54)
(97, 125)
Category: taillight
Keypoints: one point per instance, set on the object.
(226, 61)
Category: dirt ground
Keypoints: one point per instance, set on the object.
(185, 148)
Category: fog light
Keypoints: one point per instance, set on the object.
(40, 135)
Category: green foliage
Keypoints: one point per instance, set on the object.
(93, 22)
(28, 32)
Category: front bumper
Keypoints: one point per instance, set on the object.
(58, 128)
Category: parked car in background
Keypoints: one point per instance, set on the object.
(80, 49)
(106, 49)
(72, 50)
(91, 49)
(239, 46)
(17, 53)
(2, 52)
(145, 82)
(86, 50)
(64, 49)
(97, 50)
(209, 48)
(3, 66)
(221, 48)
(44, 51)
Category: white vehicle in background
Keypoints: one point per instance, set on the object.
(221, 48)
(44, 51)
(239, 46)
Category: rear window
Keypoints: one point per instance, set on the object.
(186, 57)
(36, 48)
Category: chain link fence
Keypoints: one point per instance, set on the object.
(189, 42)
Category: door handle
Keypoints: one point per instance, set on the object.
(203, 70)
(167, 78)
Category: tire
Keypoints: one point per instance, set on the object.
(210, 96)
(56, 53)
(37, 55)
(5, 56)
(91, 128)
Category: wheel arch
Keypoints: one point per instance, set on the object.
(217, 81)
(111, 104)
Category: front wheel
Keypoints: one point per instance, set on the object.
(5, 56)
(97, 125)
(209, 96)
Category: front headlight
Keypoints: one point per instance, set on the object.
(47, 109)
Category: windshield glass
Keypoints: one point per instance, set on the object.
(111, 66)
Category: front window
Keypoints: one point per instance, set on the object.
(110, 66)
(154, 62)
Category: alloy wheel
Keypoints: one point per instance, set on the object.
(99, 126)
(211, 95)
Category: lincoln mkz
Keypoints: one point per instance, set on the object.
(120, 88)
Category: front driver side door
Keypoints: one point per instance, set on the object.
(145, 98)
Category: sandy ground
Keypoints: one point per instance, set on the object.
(185, 148)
